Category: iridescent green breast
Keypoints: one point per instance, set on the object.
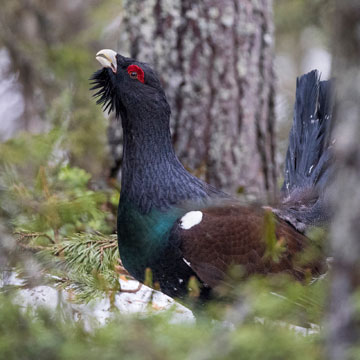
(143, 237)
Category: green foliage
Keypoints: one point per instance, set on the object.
(52, 208)
(194, 287)
(87, 264)
(278, 298)
(148, 281)
(293, 16)
(41, 194)
(274, 247)
(62, 211)
(47, 336)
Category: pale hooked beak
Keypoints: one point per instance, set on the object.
(107, 58)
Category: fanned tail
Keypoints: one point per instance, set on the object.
(308, 165)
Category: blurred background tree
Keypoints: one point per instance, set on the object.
(215, 59)
(48, 51)
(47, 57)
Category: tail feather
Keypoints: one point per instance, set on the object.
(308, 165)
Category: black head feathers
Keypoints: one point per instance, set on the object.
(123, 83)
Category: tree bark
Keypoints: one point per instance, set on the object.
(343, 318)
(215, 60)
(30, 32)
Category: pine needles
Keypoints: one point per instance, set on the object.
(90, 264)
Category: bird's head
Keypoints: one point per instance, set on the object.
(127, 86)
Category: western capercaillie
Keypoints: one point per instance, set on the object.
(179, 226)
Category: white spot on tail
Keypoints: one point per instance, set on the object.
(191, 219)
(187, 262)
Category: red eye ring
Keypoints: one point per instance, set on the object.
(136, 72)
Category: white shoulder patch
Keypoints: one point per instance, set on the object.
(191, 219)
(188, 264)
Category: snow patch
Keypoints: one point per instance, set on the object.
(98, 311)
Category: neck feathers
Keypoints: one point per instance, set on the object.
(152, 176)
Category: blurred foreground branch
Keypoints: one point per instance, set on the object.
(344, 324)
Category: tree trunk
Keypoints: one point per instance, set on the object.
(344, 320)
(215, 60)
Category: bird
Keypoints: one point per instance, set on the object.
(182, 228)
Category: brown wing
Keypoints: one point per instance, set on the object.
(235, 235)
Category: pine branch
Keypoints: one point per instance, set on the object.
(91, 265)
(85, 264)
